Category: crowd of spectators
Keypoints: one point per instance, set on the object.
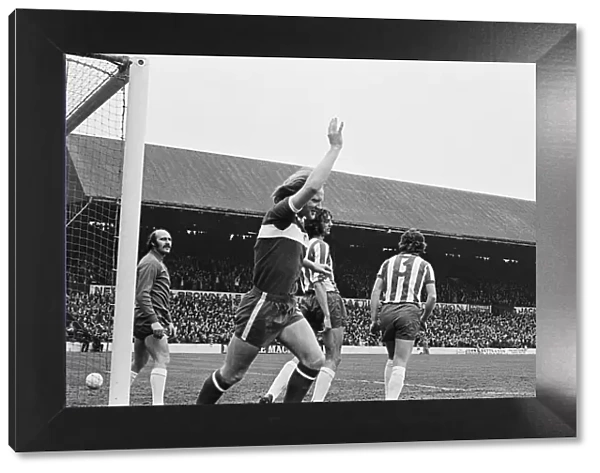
(224, 273)
(203, 317)
(89, 319)
(208, 318)
(85, 271)
(481, 292)
(457, 326)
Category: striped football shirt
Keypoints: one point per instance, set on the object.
(404, 276)
(318, 252)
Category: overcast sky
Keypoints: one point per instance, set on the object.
(462, 125)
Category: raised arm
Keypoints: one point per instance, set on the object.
(321, 172)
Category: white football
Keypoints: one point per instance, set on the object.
(94, 380)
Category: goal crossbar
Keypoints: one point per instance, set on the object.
(100, 96)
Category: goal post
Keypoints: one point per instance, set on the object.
(105, 124)
(133, 170)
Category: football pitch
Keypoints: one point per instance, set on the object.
(359, 378)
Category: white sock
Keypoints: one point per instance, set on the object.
(396, 383)
(322, 384)
(158, 379)
(281, 381)
(387, 374)
(132, 377)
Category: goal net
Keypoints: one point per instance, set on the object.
(95, 126)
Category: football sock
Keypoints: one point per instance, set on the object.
(282, 378)
(323, 384)
(396, 383)
(387, 374)
(212, 389)
(158, 379)
(132, 377)
(300, 382)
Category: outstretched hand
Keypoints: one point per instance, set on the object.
(334, 133)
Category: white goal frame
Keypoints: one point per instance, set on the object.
(129, 231)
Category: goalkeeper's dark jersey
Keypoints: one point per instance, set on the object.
(153, 290)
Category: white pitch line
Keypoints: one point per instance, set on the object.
(424, 386)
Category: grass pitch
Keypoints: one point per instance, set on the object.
(359, 378)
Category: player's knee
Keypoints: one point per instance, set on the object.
(232, 377)
(315, 361)
(334, 356)
(334, 360)
(162, 359)
(232, 374)
(400, 359)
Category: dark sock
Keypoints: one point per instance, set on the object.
(212, 389)
(299, 383)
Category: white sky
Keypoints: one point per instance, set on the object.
(462, 125)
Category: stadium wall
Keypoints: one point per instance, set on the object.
(201, 348)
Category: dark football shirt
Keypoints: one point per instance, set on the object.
(153, 289)
(279, 250)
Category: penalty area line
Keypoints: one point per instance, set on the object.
(442, 388)
(483, 391)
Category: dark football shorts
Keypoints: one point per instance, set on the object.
(261, 317)
(400, 321)
(312, 312)
(142, 327)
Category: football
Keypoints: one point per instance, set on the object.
(94, 380)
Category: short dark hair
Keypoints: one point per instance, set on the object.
(291, 185)
(314, 227)
(412, 241)
(151, 240)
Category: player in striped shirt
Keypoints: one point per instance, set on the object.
(401, 280)
(323, 308)
(269, 311)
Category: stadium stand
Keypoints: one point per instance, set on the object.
(226, 274)
(481, 246)
(208, 318)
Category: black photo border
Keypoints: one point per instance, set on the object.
(38, 418)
